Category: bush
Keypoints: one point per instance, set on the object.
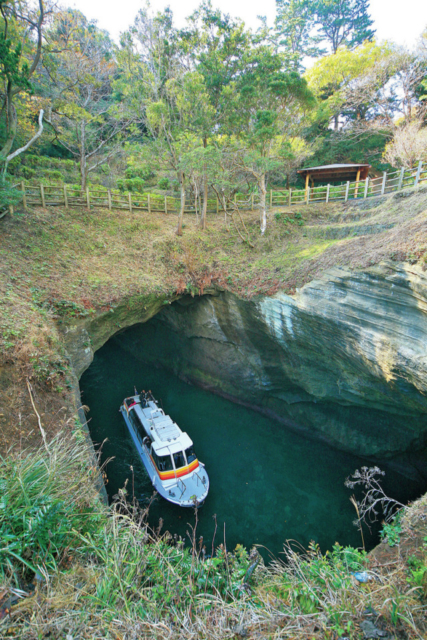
(27, 172)
(163, 183)
(8, 196)
(138, 172)
(52, 174)
(131, 184)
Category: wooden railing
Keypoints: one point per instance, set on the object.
(387, 183)
(68, 196)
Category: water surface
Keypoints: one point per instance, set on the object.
(267, 484)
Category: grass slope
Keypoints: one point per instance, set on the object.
(71, 568)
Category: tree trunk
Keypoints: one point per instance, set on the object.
(83, 163)
(11, 129)
(205, 202)
(205, 192)
(262, 198)
(181, 179)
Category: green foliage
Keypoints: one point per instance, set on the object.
(418, 574)
(393, 530)
(342, 23)
(163, 183)
(131, 184)
(38, 520)
(66, 308)
(9, 196)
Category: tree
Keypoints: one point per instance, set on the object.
(80, 75)
(217, 47)
(343, 22)
(409, 145)
(351, 84)
(153, 85)
(294, 26)
(21, 46)
(269, 110)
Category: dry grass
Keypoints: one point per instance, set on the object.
(58, 266)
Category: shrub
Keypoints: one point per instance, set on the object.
(52, 174)
(27, 172)
(163, 183)
(131, 184)
(8, 196)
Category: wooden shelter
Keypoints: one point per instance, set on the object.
(335, 172)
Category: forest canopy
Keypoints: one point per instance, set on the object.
(208, 110)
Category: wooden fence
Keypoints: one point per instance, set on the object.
(67, 195)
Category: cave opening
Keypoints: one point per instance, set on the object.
(269, 483)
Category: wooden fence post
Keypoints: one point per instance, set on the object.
(24, 196)
(290, 197)
(308, 195)
(271, 198)
(88, 198)
(383, 183)
(42, 196)
(149, 203)
(327, 192)
(235, 199)
(166, 204)
(417, 177)
(365, 193)
(130, 201)
(347, 189)
(401, 176)
(109, 199)
(65, 197)
(252, 202)
(217, 205)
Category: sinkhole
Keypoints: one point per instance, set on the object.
(268, 483)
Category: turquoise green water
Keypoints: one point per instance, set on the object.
(268, 484)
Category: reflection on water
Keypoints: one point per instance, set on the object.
(267, 484)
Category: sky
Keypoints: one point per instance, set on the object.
(400, 22)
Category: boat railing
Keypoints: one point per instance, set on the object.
(202, 480)
(181, 486)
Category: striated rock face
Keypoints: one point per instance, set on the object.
(345, 358)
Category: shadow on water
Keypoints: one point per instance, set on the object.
(268, 484)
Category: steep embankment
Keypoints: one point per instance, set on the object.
(352, 337)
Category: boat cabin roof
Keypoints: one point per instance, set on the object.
(165, 434)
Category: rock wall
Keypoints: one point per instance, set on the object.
(345, 358)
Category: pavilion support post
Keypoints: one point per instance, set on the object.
(365, 195)
(307, 180)
(356, 189)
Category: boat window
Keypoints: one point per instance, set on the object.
(191, 456)
(179, 459)
(163, 463)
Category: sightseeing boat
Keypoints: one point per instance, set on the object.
(166, 452)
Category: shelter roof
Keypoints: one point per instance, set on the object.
(336, 171)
